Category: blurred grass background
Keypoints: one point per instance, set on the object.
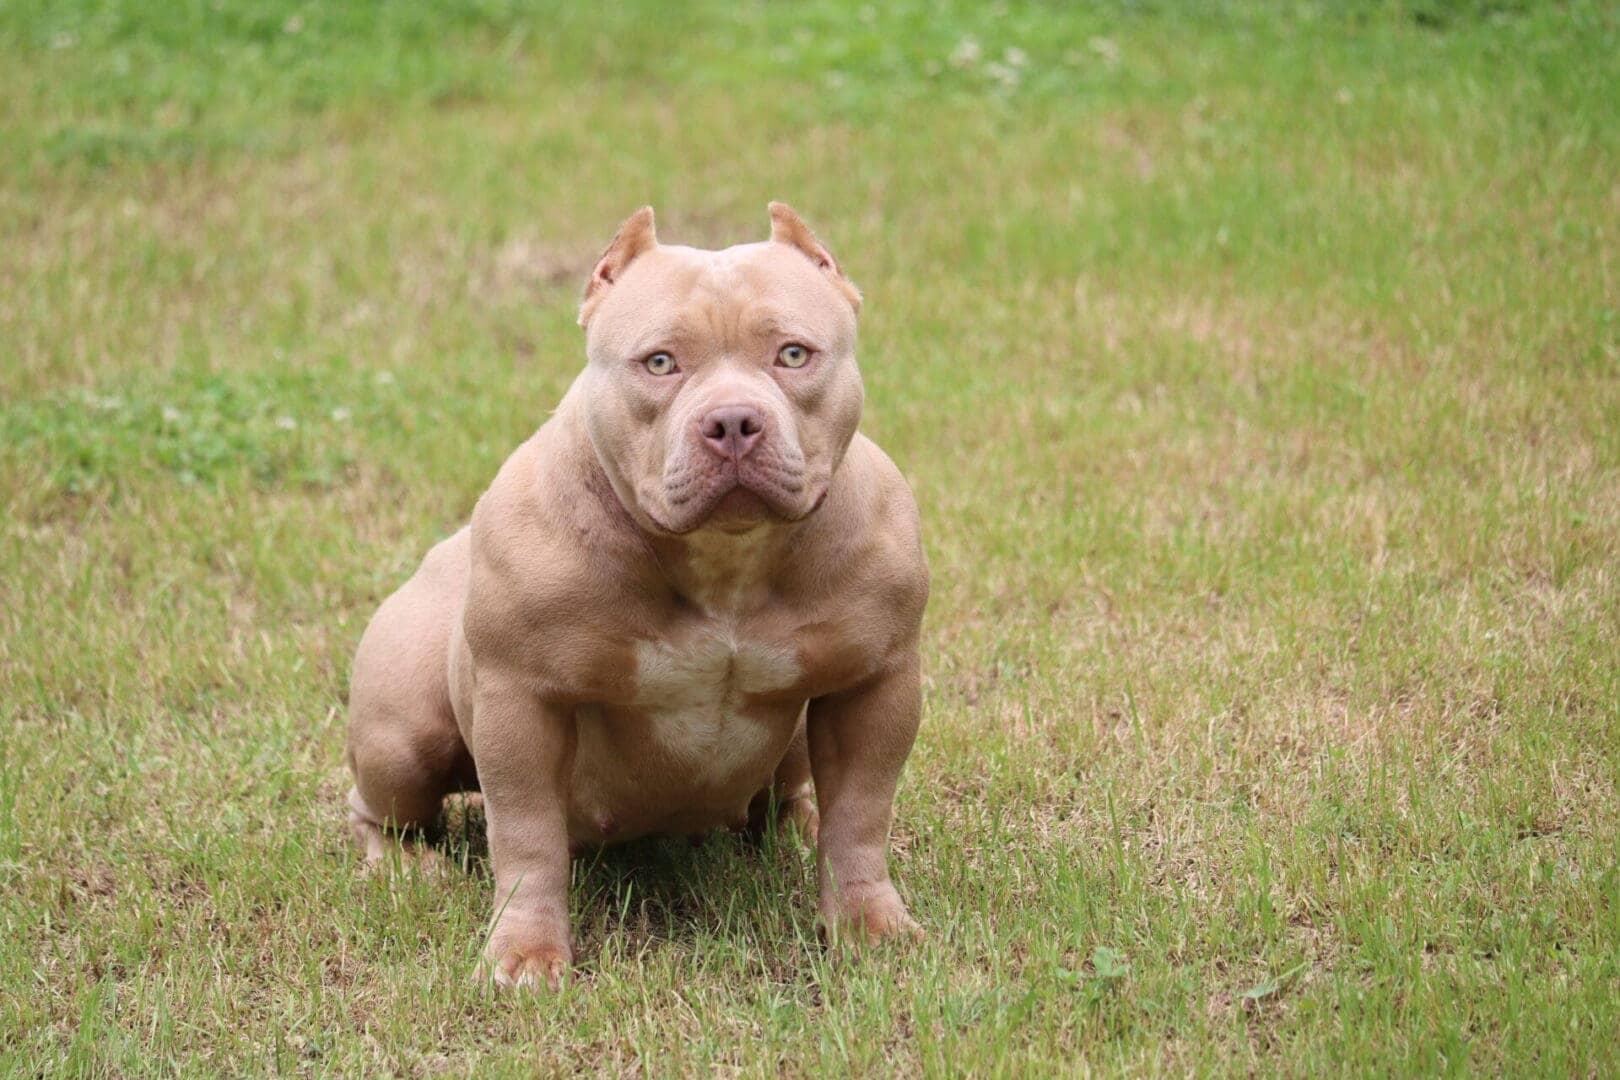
(1256, 369)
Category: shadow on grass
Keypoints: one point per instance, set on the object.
(734, 886)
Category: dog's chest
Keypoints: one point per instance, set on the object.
(695, 690)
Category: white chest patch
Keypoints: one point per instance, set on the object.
(694, 691)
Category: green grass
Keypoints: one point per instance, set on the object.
(1257, 369)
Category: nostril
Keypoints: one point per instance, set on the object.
(732, 430)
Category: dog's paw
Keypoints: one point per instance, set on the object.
(795, 820)
(798, 818)
(401, 860)
(525, 961)
(869, 919)
(544, 968)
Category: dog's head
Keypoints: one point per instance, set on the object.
(722, 388)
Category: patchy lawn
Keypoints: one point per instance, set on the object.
(1258, 374)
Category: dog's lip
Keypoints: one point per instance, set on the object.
(740, 498)
(659, 523)
(812, 508)
(719, 494)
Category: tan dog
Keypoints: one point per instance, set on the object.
(694, 589)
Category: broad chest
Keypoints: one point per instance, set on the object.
(717, 702)
(714, 665)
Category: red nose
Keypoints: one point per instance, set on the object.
(732, 431)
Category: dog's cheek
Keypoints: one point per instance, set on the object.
(674, 447)
(788, 425)
(843, 417)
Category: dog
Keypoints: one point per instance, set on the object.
(693, 597)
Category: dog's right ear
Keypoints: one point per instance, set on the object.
(787, 227)
(635, 237)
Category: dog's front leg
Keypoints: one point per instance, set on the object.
(524, 747)
(859, 741)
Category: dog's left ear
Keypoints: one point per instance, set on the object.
(636, 236)
(789, 228)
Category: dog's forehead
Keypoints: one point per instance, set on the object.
(742, 271)
(701, 290)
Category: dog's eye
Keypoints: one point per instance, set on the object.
(660, 363)
(794, 355)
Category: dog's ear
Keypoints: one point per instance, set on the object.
(635, 237)
(789, 228)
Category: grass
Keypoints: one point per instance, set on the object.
(1257, 369)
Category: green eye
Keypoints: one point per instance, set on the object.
(794, 355)
(660, 363)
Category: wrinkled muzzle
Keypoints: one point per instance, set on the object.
(739, 455)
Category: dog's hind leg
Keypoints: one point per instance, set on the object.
(405, 750)
(792, 792)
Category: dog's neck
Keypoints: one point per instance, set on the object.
(723, 572)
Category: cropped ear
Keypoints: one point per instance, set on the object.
(788, 228)
(635, 237)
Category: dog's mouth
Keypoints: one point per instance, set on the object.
(733, 498)
(740, 502)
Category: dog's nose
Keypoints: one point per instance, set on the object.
(732, 431)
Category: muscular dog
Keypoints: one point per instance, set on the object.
(695, 591)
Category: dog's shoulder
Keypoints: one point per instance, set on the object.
(873, 558)
(893, 524)
(542, 554)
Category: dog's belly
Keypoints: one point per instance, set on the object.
(700, 733)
